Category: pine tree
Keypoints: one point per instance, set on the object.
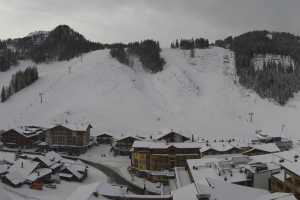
(177, 44)
(192, 53)
(3, 94)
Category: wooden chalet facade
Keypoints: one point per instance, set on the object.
(62, 138)
(288, 181)
(104, 138)
(123, 145)
(20, 138)
(160, 156)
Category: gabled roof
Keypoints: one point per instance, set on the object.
(293, 167)
(15, 177)
(74, 127)
(27, 131)
(4, 168)
(44, 160)
(269, 148)
(222, 147)
(73, 170)
(39, 173)
(53, 156)
(278, 196)
(104, 134)
(218, 146)
(166, 132)
(239, 144)
(127, 136)
(23, 167)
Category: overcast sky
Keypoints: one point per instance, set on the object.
(164, 20)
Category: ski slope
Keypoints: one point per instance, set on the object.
(195, 95)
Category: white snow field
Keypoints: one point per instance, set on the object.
(194, 95)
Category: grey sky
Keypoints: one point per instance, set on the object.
(164, 20)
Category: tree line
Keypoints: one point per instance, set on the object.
(62, 43)
(274, 80)
(18, 81)
(147, 51)
(187, 44)
(7, 57)
(120, 54)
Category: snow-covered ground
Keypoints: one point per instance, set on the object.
(63, 190)
(196, 96)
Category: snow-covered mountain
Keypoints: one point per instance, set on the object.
(197, 95)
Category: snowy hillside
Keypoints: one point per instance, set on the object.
(196, 95)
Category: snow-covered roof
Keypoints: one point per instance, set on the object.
(65, 175)
(288, 155)
(220, 190)
(165, 132)
(270, 147)
(187, 192)
(239, 144)
(15, 177)
(45, 160)
(97, 134)
(55, 166)
(293, 167)
(4, 168)
(218, 146)
(279, 176)
(74, 126)
(163, 145)
(28, 131)
(122, 137)
(230, 168)
(182, 177)
(39, 173)
(74, 170)
(222, 146)
(53, 156)
(278, 196)
(78, 167)
(23, 167)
